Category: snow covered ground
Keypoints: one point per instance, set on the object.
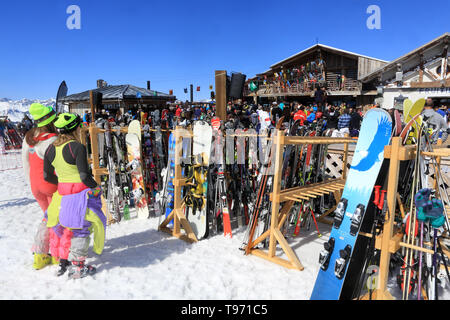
(140, 262)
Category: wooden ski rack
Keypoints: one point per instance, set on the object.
(390, 240)
(292, 195)
(177, 214)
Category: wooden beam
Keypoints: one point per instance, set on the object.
(388, 228)
(221, 94)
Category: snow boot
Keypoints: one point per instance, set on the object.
(63, 266)
(80, 270)
(41, 260)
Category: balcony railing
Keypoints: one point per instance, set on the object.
(305, 88)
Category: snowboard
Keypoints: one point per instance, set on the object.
(221, 211)
(407, 105)
(375, 134)
(133, 141)
(168, 193)
(416, 109)
(113, 190)
(201, 150)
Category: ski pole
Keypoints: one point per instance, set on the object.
(435, 265)
(419, 277)
(443, 259)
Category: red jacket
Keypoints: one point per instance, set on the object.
(300, 115)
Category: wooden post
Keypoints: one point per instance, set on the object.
(221, 94)
(276, 190)
(91, 101)
(382, 293)
(93, 135)
(345, 160)
(177, 177)
(437, 173)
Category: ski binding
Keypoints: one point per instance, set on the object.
(341, 263)
(356, 219)
(325, 254)
(339, 213)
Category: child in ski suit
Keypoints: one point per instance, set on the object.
(75, 210)
(35, 143)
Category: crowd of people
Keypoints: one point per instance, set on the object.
(341, 118)
(245, 115)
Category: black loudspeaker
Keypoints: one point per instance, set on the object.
(212, 95)
(97, 97)
(237, 85)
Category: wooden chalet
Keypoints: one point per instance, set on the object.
(298, 76)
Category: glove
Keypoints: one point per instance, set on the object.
(94, 193)
(429, 210)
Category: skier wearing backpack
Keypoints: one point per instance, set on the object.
(75, 210)
(35, 143)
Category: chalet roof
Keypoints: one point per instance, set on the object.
(326, 48)
(411, 60)
(120, 92)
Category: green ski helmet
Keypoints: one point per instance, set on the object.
(67, 122)
(42, 115)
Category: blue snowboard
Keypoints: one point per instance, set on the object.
(368, 157)
(170, 176)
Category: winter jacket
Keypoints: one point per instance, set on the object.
(332, 120)
(33, 165)
(300, 115)
(33, 158)
(69, 161)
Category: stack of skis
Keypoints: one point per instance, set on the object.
(135, 159)
(10, 136)
(228, 171)
(302, 165)
(425, 222)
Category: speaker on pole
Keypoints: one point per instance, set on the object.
(237, 85)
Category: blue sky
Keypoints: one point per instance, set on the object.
(176, 43)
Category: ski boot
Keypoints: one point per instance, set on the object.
(41, 260)
(63, 266)
(80, 270)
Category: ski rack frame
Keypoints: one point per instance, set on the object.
(93, 158)
(292, 195)
(389, 242)
(179, 219)
(97, 171)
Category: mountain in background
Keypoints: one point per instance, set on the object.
(16, 109)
